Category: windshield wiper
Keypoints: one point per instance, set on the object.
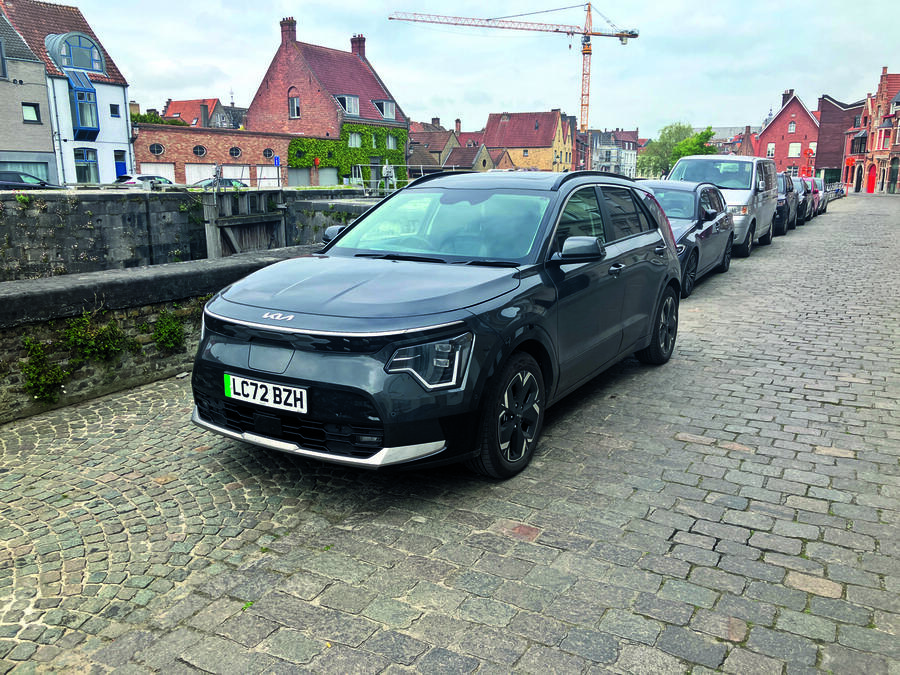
(488, 262)
(399, 256)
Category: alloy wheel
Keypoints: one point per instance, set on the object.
(519, 415)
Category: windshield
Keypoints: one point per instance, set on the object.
(723, 173)
(438, 222)
(676, 203)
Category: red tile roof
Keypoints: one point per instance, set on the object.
(521, 130)
(622, 135)
(346, 73)
(434, 141)
(189, 110)
(36, 20)
(497, 154)
(475, 138)
(464, 157)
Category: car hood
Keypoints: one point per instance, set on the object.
(681, 226)
(366, 288)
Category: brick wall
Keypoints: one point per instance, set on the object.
(288, 72)
(179, 142)
(833, 122)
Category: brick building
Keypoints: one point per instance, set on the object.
(835, 118)
(536, 140)
(205, 112)
(791, 136)
(872, 145)
(187, 155)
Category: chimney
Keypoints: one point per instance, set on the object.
(358, 46)
(458, 126)
(884, 70)
(204, 115)
(166, 107)
(786, 96)
(288, 30)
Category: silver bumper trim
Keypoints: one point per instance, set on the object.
(384, 457)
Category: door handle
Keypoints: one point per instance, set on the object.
(615, 269)
(660, 250)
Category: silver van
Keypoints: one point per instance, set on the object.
(750, 188)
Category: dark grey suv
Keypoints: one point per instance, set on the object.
(441, 324)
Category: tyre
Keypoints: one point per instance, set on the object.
(766, 239)
(793, 224)
(689, 275)
(665, 330)
(512, 418)
(725, 263)
(744, 250)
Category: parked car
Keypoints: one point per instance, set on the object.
(442, 323)
(219, 182)
(786, 207)
(823, 194)
(804, 199)
(816, 196)
(750, 190)
(701, 224)
(19, 180)
(141, 178)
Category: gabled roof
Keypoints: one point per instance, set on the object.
(497, 155)
(842, 105)
(622, 135)
(14, 46)
(785, 107)
(462, 156)
(434, 141)
(419, 155)
(188, 111)
(424, 126)
(35, 20)
(521, 130)
(467, 138)
(345, 73)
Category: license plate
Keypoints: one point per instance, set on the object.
(266, 393)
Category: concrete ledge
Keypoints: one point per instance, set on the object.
(39, 300)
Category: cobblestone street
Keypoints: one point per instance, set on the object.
(737, 509)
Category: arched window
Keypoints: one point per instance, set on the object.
(792, 127)
(75, 50)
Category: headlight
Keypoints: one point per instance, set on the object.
(436, 365)
(738, 210)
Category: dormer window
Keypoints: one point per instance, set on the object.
(386, 108)
(75, 50)
(350, 104)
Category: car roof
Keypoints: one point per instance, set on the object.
(733, 158)
(525, 180)
(685, 185)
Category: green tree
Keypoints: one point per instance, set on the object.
(153, 118)
(694, 145)
(655, 160)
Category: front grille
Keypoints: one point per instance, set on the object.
(335, 438)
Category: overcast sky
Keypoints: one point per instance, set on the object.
(713, 62)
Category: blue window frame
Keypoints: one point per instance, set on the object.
(85, 120)
(79, 51)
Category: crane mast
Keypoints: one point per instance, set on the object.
(586, 34)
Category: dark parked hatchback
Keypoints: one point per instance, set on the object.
(441, 324)
(788, 202)
(19, 180)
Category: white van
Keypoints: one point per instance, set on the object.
(750, 188)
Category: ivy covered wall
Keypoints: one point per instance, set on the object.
(338, 153)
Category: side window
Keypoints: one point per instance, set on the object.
(706, 201)
(718, 201)
(655, 210)
(580, 218)
(625, 216)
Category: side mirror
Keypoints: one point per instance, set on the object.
(583, 248)
(331, 232)
(708, 215)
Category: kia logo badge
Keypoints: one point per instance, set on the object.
(278, 316)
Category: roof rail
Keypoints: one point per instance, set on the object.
(571, 175)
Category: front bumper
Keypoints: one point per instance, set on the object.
(383, 456)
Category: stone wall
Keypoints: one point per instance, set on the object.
(51, 233)
(134, 300)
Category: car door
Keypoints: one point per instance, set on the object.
(589, 294)
(639, 252)
(711, 237)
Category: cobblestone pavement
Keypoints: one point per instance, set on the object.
(736, 509)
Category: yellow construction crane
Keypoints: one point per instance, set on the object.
(586, 34)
